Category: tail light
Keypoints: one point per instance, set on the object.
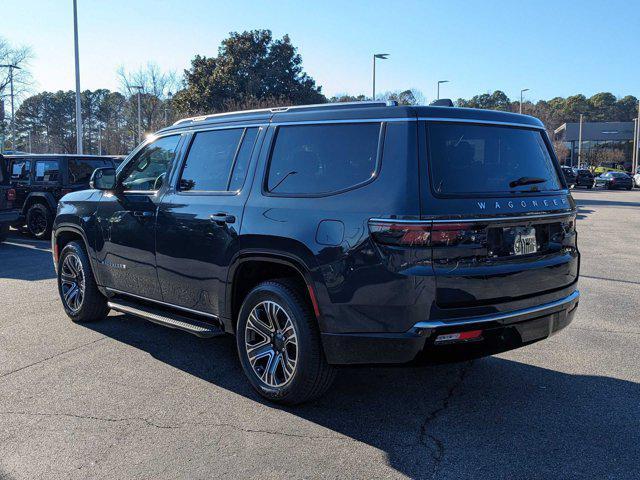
(389, 232)
(11, 195)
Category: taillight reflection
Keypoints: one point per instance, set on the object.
(11, 195)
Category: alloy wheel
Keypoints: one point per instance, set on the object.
(72, 282)
(271, 344)
(37, 223)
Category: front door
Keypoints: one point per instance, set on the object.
(126, 221)
(199, 218)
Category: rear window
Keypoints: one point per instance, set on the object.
(486, 159)
(323, 159)
(80, 170)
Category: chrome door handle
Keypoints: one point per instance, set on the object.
(221, 218)
(139, 213)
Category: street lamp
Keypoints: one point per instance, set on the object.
(139, 88)
(381, 56)
(439, 82)
(11, 68)
(521, 92)
(77, 55)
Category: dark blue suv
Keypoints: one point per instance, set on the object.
(326, 235)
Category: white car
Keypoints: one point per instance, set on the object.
(636, 178)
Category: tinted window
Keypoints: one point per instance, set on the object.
(148, 169)
(47, 171)
(468, 159)
(210, 160)
(80, 170)
(20, 170)
(314, 159)
(242, 162)
(619, 175)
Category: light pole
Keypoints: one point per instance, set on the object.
(634, 167)
(139, 88)
(439, 82)
(77, 54)
(11, 68)
(381, 56)
(580, 143)
(521, 92)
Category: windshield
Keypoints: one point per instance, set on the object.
(487, 159)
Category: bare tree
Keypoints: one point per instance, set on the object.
(19, 56)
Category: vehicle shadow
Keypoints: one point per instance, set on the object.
(487, 418)
(583, 212)
(25, 258)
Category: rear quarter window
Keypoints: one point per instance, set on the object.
(323, 159)
(468, 159)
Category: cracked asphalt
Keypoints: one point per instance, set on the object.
(124, 398)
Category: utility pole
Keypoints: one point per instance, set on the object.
(381, 56)
(580, 143)
(634, 167)
(11, 68)
(78, 110)
(521, 92)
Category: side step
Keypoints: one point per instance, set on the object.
(166, 318)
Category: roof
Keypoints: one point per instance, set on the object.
(595, 131)
(353, 110)
(60, 155)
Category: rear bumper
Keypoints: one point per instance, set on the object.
(526, 326)
(9, 216)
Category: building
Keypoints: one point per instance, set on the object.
(603, 143)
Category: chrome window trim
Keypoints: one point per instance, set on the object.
(479, 219)
(348, 120)
(198, 312)
(481, 122)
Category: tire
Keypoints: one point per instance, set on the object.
(4, 231)
(309, 376)
(589, 187)
(93, 305)
(39, 221)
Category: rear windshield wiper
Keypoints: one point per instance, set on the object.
(526, 181)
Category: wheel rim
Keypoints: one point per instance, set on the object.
(72, 282)
(37, 223)
(271, 344)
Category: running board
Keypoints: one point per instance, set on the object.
(166, 318)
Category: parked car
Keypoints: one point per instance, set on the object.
(328, 235)
(636, 178)
(8, 213)
(614, 180)
(41, 180)
(569, 176)
(584, 178)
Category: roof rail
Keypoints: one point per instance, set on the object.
(318, 106)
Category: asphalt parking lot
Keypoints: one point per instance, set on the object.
(124, 398)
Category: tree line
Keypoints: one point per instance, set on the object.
(252, 69)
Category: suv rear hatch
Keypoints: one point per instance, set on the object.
(503, 223)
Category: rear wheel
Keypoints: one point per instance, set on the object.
(279, 345)
(81, 299)
(39, 221)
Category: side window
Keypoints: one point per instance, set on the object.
(20, 170)
(322, 159)
(47, 171)
(150, 166)
(80, 170)
(216, 161)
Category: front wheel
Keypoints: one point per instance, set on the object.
(279, 344)
(81, 299)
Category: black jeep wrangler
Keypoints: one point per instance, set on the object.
(328, 235)
(8, 214)
(40, 181)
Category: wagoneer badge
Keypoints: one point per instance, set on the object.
(555, 202)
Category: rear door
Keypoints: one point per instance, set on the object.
(200, 216)
(503, 221)
(20, 171)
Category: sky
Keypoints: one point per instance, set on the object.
(554, 48)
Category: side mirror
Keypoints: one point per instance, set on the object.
(103, 179)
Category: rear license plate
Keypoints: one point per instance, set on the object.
(524, 241)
